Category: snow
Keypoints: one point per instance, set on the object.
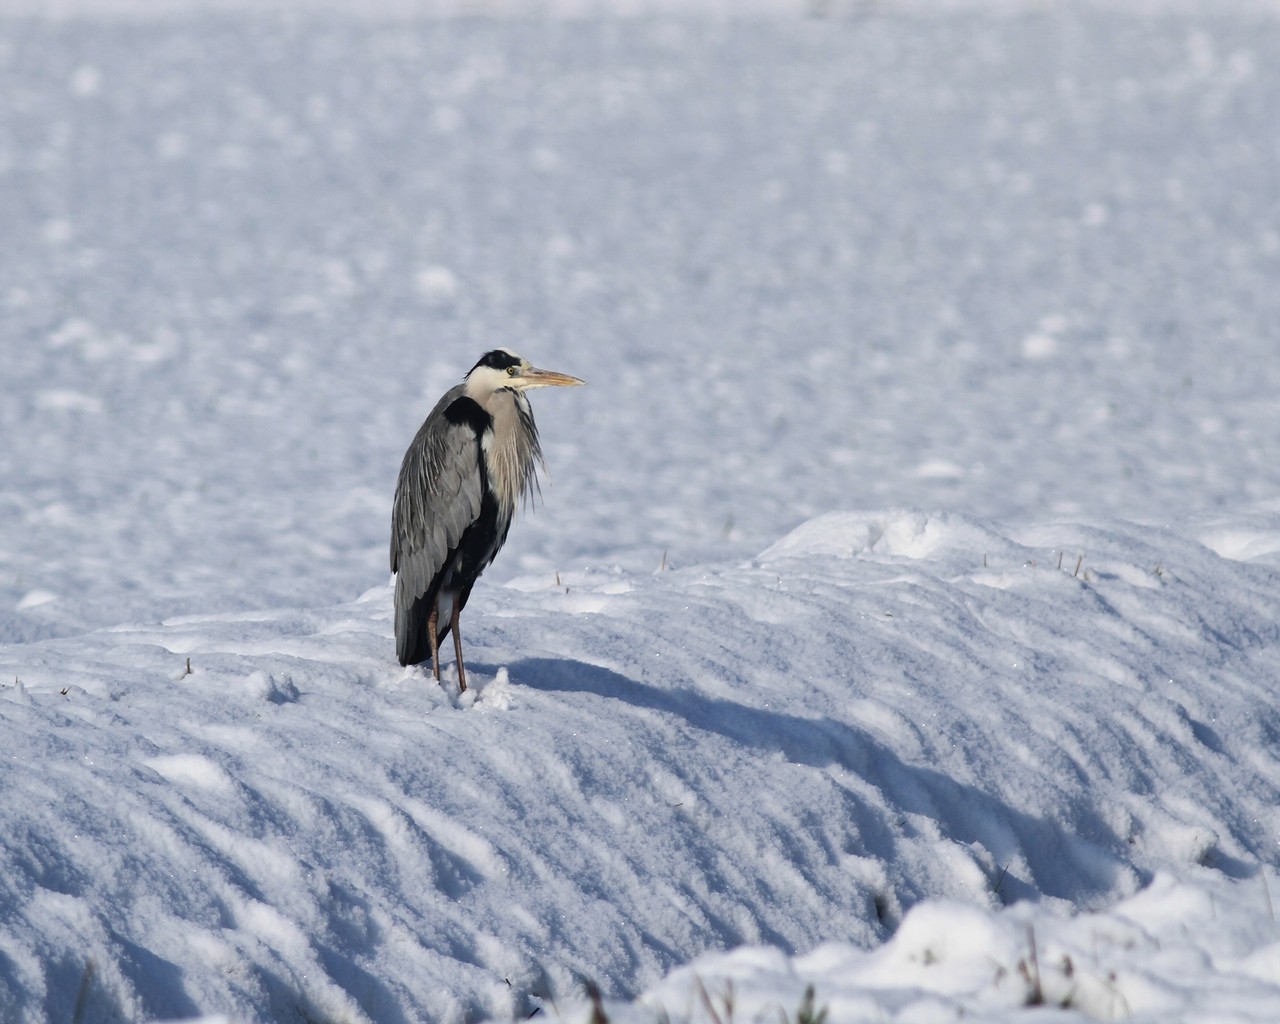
(900, 619)
(950, 960)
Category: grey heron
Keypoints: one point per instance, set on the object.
(472, 461)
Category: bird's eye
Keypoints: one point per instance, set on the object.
(511, 371)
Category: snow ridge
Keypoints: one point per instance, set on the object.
(907, 588)
(791, 751)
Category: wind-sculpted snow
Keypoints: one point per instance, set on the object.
(1003, 276)
(1193, 950)
(881, 709)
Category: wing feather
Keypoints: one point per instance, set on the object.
(438, 496)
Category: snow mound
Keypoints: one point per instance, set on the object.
(1182, 949)
(1009, 265)
(885, 536)
(260, 813)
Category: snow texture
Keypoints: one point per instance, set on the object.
(901, 617)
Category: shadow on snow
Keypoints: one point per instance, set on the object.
(1082, 841)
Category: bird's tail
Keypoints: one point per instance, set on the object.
(413, 640)
(412, 645)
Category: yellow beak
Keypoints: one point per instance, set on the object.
(535, 378)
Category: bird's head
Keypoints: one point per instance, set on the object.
(502, 368)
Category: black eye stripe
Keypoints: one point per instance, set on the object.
(498, 359)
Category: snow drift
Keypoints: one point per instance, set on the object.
(905, 590)
(879, 710)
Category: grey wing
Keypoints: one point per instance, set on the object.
(437, 498)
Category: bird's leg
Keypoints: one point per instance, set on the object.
(432, 619)
(457, 644)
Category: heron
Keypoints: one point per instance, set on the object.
(473, 460)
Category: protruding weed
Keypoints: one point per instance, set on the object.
(999, 881)
(710, 1007)
(598, 1016)
(1029, 968)
(808, 1011)
(82, 994)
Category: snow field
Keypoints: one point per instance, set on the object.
(1003, 279)
(790, 751)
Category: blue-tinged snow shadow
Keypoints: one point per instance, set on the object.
(1067, 862)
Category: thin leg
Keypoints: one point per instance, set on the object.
(432, 619)
(457, 645)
